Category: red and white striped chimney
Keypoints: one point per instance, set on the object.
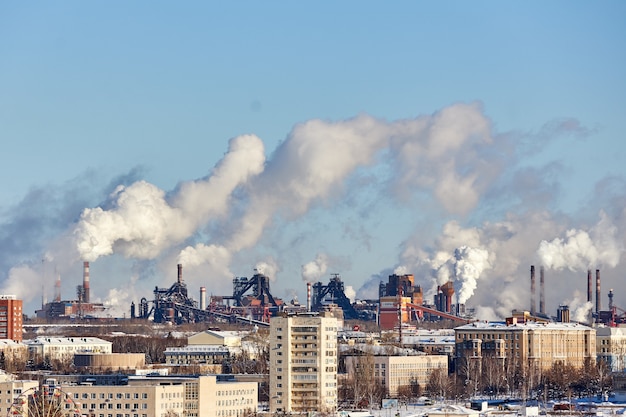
(86, 281)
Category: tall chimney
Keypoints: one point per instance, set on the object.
(589, 287)
(180, 273)
(308, 296)
(202, 298)
(86, 282)
(598, 301)
(533, 305)
(57, 288)
(542, 295)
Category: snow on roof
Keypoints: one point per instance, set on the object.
(531, 325)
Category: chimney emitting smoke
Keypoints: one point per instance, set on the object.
(598, 300)
(86, 282)
(180, 273)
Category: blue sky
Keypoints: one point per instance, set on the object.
(94, 95)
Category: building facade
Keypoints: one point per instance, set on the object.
(64, 348)
(611, 347)
(303, 363)
(393, 371)
(528, 343)
(12, 391)
(202, 396)
(10, 318)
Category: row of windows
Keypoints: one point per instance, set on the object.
(235, 392)
(111, 395)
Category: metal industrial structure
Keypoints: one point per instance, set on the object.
(174, 305)
(333, 293)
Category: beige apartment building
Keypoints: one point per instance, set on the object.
(611, 347)
(396, 369)
(538, 344)
(303, 363)
(202, 396)
(12, 391)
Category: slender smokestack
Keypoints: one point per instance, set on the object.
(589, 287)
(180, 273)
(86, 282)
(202, 298)
(542, 295)
(308, 296)
(57, 288)
(598, 300)
(533, 305)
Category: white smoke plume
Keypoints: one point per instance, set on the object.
(349, 292)
(580, 250)
(428, 152)
(468, 266)
(268, 267)
(313, 271)
(464, 269)
(143, 223)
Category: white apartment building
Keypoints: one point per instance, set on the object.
(64, 348)
(303, 363)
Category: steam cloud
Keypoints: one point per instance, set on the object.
(446, 162)
(463, 269)
(314, 270)
(580, 250)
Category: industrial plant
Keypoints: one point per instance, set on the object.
(400, 302)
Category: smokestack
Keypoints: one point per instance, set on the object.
(180, 273)
(589, 288)
(57, 288)
(533, 305)
(308, 296)
(202, 298)
(86, 282)
(542, 295)
(611, 299)
(598, 301)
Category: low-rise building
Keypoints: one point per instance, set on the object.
(202, 396)
(393, 367)
(64, 348)
(530, 343)
(109, 361)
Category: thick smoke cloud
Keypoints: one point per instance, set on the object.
(143, 223)
(450, 169)
(313, 271)
(581, 250)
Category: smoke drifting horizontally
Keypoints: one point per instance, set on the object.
(450, 169)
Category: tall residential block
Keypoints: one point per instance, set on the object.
(303, 363)
(10, 318)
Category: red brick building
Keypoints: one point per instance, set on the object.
(10, 318)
